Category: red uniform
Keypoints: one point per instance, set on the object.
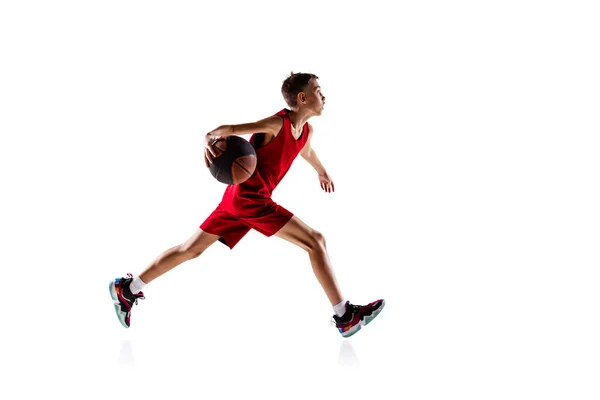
(248, 205)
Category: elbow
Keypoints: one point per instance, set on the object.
(306, 155)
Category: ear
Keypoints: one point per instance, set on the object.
(301, 97)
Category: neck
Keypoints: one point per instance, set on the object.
(299, 118)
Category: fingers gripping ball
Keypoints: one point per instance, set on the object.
(234, 161)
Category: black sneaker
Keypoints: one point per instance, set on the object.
(123, 298)
(357, 316)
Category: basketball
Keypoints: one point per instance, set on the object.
(234, 161)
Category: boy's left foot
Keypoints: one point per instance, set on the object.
(123, 299)
(357, 316)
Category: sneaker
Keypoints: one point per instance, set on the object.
(123, 298)
(357, 316)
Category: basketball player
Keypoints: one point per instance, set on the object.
(249, 205)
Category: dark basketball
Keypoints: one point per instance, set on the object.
(234, 161)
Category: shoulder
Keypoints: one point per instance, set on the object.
(271, 124)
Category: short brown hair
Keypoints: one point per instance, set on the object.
(294, 84)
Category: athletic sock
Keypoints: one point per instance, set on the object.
(137, 284)
(340, 308)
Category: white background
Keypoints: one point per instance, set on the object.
(463, 142)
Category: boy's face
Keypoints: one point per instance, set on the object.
(313, 98)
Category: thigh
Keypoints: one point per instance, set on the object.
(297, 232)
(199, 242)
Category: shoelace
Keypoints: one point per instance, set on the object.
(138, 296)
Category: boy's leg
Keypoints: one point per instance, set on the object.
(121, 289)
(313, 242)
(297, 232)
(176, 255)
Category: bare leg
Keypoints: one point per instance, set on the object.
(297, 232)
(176, 255)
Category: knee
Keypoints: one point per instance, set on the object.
(317, 241)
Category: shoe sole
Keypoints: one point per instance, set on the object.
(364, 322)
(116, 303)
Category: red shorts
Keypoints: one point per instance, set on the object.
(232, 228)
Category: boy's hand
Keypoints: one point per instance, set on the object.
(209, 151)
(326, 182)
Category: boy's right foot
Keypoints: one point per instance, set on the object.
(355, 316)
(123, 298)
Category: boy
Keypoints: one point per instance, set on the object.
(249, 205)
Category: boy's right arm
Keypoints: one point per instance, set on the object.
(271, 125)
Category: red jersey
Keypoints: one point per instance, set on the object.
(273, 160)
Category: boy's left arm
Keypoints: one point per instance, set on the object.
(308, 153)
